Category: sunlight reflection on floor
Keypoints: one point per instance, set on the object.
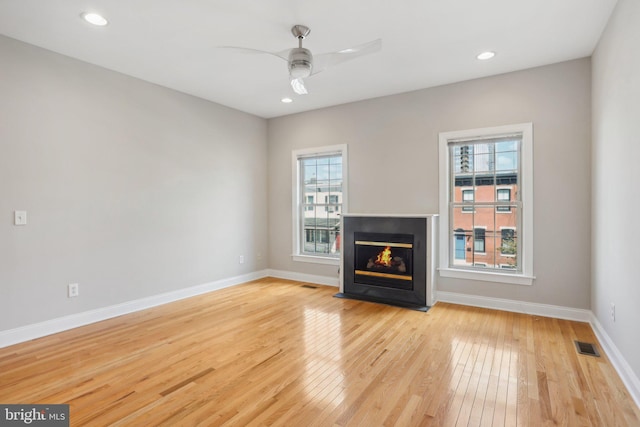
(323, 378)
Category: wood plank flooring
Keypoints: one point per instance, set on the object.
(272, 352)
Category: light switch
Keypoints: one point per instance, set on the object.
(20, 217)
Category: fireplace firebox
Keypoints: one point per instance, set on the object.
(388, 259)
(384, 259)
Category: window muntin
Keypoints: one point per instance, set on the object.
(319, 200)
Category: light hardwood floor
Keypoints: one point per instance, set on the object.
(273, 352)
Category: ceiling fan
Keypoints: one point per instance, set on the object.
(303, 64)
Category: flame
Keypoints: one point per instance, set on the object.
(384, 257)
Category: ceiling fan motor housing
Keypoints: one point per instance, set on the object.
(300, 62)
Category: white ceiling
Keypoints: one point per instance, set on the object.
(425, 43)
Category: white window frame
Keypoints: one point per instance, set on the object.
(296, 198)
(525, 277)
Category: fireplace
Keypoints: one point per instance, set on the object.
(388, 259)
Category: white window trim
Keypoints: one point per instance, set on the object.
(296, 195)
(526, 188)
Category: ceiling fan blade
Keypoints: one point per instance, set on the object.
(323, 61)
(283, 54)
(298, 86)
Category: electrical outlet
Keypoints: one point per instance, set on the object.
(241, 260)
(259, 256)
(20, 217)
(613, 312)
(73, 290)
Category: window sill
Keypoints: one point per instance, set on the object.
(485, 276)
(316, 259)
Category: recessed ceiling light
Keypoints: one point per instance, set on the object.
(287, 100)
(486, 55)
(95, 19)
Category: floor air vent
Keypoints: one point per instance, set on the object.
(587, 348)
(310, 286)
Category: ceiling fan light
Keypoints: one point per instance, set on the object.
(298, 87)
(298, 72)
(300, 63)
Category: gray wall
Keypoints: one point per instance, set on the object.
(393, 167)
(134, 190)
(616, 175)
(131, 189)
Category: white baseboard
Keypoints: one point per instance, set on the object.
(545, 310)
(37, 330)
(629, 378)
(302, 277)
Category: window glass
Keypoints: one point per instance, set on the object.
(320, 189)
(484, 220)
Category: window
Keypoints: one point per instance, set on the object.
(508, 241)
(309, 203)
(504, 197)
(310, 236)
(332, 203)
(486, 187)
(478, 241)
(319, 186)
(315, 235)
(467, 197)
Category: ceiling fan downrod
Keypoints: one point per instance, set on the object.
(300, 32)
